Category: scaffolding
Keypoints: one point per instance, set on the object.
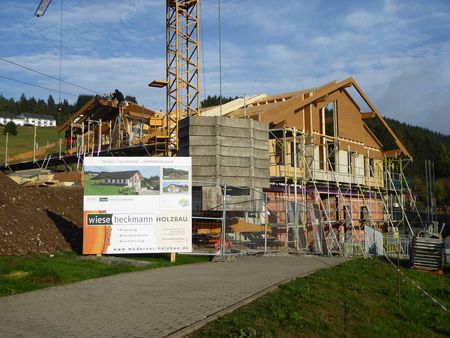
(340, 198)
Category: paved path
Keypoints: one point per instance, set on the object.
(150, 303)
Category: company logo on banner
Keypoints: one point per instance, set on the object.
(137, 205)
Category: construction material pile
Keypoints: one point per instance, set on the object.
(428, 251)
(39, 219)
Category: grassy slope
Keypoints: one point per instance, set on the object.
(90, 188)
(25, 273)
(357, 299)
(23, 141)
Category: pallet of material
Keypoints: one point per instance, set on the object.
(428, 252)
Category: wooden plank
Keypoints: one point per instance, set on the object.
(232, 105)
(76, 114)
(383, 122)
(392, 153)
(368, 115)
(283, 110)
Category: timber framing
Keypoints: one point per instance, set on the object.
(295, 109)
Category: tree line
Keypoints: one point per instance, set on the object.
(422, 143)
(60, 111)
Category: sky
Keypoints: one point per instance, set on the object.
(397, 51)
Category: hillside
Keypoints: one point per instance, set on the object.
(421, 142)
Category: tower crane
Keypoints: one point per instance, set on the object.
(182, 64)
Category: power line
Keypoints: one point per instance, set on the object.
(47, 75)
(35, 85)
(60, 50)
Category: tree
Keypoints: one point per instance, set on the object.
(211, 101)
(10, 128)
(81, 101)
(23, 104)
(131, 99)
(51, 106)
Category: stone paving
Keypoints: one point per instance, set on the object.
(153, 303)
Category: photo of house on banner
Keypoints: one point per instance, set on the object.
(175, 187)
(103, 180)
(178, 173)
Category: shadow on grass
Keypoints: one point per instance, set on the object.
(443, 332)
(72, 234)
(404, 263)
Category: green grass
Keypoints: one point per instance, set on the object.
(25, 273)
(91, 188)
(23, 141)
(356, 299)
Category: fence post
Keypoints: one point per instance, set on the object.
(6, 150)
(71, 138)
(110, 136)
(224, 219)
(265, 221)
(34, 145)
(100, 139)
(398, 275)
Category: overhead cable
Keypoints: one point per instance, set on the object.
(37, 86)
(220, 59)
(60, 50)
(47, 75)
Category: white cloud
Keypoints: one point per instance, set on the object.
(397, 50)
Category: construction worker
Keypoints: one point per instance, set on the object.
(117, 95)
(69, 140)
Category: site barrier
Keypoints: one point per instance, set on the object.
(231, 220)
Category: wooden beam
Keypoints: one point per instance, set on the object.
(283, 110)
(368, 115)
(383, 122)
(76, 114)
(392, 153)
(396, 139)
(158, 83)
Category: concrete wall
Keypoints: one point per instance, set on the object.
(226, 151)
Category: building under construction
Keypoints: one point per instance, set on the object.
(297, 171)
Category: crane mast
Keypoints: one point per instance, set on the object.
(182, 65)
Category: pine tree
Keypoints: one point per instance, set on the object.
(10, 128)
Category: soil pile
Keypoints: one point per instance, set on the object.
(39, 219)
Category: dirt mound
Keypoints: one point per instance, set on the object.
(39, 219)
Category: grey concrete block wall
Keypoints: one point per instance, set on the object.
(225, 151)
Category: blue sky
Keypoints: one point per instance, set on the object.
(398, 51)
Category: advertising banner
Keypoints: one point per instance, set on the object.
(137, 205)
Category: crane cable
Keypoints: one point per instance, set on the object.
(220, 60)
(60, 50)
(434, 300)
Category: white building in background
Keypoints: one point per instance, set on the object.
(5, 118)
(28, 120)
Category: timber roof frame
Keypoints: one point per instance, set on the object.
(282, 110)
(96, 103)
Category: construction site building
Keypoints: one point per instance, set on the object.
(302, 170)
